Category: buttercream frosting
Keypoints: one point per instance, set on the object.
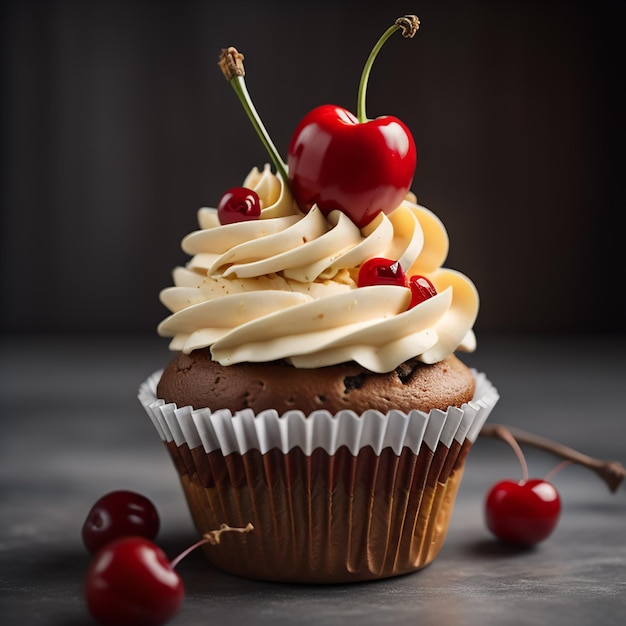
(284, 286)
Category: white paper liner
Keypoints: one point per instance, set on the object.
(244, 431)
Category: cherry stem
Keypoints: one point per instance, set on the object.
(408, 24)
(213, 537)
(184, 553)
(555, 470)
(231, 64)
(503, 433)
(611, 472)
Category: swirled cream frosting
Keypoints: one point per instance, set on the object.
(284, 286)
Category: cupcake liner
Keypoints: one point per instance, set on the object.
(332, 498)
(245, 430)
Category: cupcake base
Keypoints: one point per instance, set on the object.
(332, 499)
(322, 518)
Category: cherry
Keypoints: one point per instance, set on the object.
(341, 163)
(337, 160)
(380, 271)
(421, 289)
(238, 204)
(350, 163)
(130, 582)
(117, 514)
(522, 512)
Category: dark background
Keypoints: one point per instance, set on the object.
(117, 126)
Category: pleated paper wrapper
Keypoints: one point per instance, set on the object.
(331, 498)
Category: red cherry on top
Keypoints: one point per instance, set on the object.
(421, 289)
(117, 514)
(358, 168)
(524, 512)
(130, 582)
(380, 271)
(238, 204)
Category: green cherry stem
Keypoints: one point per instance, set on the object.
(231, 64)
(408, 24)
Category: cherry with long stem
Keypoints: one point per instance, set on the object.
(322, 156)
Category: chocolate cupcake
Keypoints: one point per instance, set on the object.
(330, 414)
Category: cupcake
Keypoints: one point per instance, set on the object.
(315, 390)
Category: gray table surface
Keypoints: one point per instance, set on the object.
(72, 429)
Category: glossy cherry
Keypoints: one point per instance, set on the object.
(130, 582)
(117, 514)
(522, 512)
(358, 168)
(335, 159)
(350, 163)
(238, 204)
(380, 271)
(421, 289)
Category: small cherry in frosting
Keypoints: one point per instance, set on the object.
(522, 512)
(381, 271)
(421, 289)
(117, 514)
(238, 204)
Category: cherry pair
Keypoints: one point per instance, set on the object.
(381, 271)
(130, 580)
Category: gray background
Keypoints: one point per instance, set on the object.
(117, 125)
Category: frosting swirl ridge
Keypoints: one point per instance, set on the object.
(285, 287)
